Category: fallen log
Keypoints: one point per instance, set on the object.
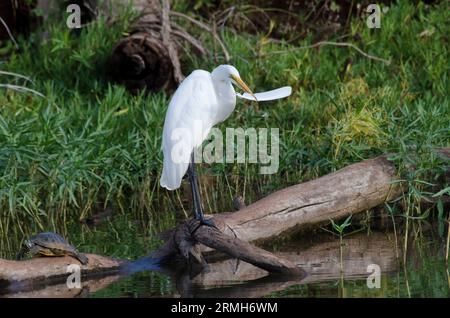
(234, 247)
(353, 189)
(356, 188)
(186, 241)
(48, 271)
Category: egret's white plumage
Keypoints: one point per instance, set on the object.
(201, 101)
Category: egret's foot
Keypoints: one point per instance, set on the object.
(208, 222)
(205, 222)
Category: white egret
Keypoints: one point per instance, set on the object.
(201, 101)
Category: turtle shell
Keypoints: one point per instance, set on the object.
(51, 244)
(52, 241)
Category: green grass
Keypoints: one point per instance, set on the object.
(90, 141)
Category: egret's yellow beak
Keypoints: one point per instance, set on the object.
(242, 85)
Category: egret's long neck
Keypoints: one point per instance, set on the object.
(226, 98)
(224, 89)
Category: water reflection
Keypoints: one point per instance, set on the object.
(234, 278)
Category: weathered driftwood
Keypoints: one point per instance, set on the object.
(44, 270)
(229, 245)
(353, 189)
(356, 188)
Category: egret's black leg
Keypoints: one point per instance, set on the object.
(198, 209)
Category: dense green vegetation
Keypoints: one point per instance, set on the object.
(89, 142)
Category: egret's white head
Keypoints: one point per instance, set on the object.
(224, 72)
(229, 73)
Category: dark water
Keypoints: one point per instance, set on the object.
(425, 273)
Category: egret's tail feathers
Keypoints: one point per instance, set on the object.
(172, 174)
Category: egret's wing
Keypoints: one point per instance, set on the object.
(186, 125)
(269, 95)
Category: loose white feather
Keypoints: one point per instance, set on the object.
(278, 93)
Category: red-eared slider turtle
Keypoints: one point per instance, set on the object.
(50, 244)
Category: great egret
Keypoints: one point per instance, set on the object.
(201, 101)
